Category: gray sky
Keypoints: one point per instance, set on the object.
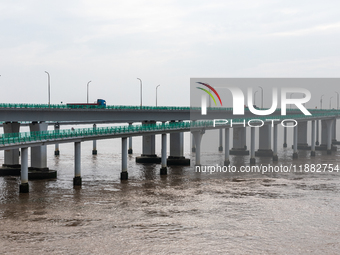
(112, 43)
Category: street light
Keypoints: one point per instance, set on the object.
(261, 97)
(330, 103)
(49, 89)
(88, 91)
(255, 97)
(141, 92)
(321, 102)
(156, 93)
(337, 100)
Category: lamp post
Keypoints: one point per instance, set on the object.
(261, 97)
(337, 100)
(49, 89)
(330, 103)
(156, 93)
(321, 101)
(255, 97)
(88, 91)
(141, 92)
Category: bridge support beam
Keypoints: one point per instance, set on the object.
(77, 164)
(284, 137)
(295, 139)
(302, 136)
(334, 141)
(164, 170)
(252, 146)
(265, 138)
(326, 134)
(317, 133)
(275, 157)
(124, 173)
(38, 153)
(312, 152)
(193, 148)
(94, 145)
(220, 147)
(11, 156)
(24, 187)
(239, 142)
(176, 156)
(226, 146)
(198, 138)
(56, 148)
(130, 151)
(148, 150)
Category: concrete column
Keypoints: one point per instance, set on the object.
(164, 170)
(302, 136)
(38, 153)
(11, 156)
(220, 148)
(265, 142)
(284, 137)
(130, 151)
(275, 157)
(334, 141)
(317, 133)
(239, 142)
(312, 153)
(77, 164)
(94, 148)
(148, 149)
(226, 146)
(198, 138)
(56, 149)
(124, 173)
(252, 145)
(295, 139)
(193, 148)
(329, 136)
(24, 187)
(176, 156)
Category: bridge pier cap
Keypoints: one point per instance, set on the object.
(256, 102)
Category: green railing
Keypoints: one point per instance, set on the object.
(23, 137)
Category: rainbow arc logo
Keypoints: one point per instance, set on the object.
(209, 93)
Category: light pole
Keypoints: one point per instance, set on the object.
(156, 93)
(337, 100)
(261, 97)
(49, 89)
(330, 103)
(141, 92)
(321, 101)
(88, 91)
(255, 97)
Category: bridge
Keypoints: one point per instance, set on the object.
(155, 120)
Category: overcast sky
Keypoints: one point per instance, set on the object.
(163, 42)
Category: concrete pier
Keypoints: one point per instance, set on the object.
(295, 139)
(94, 145)
(164, 169)
(226, 146)
(38, 153)
(56, 146)
(252, 146)
(176, 156)
(148, 150)
(11, 156)
(312, 153)
(130, 151)
(317, 133)
(284, 137)
(275, 157)
(124, 173)
(326, 134)
(24, 187)
(193, 147)
(239, 142)
(302, 136)
(265, 140)
(198, 138)
(220, 147)
(77, 164)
